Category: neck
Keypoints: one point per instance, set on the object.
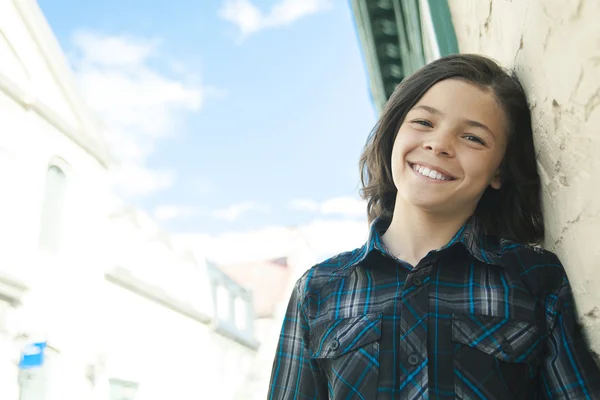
(414, 232)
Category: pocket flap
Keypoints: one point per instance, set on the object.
(506, 339)
(334, 338)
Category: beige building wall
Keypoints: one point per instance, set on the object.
(554, 45)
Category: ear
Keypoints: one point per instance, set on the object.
(496, 182)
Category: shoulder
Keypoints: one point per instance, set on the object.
(541, 267)
(336, 267)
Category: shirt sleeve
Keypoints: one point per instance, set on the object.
(568, 370)
(295, 375)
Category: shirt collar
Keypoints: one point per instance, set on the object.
(481, 246)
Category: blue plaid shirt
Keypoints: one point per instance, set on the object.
(477, 319)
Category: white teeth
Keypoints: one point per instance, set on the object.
(430, 173)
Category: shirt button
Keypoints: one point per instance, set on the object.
(417, 281)
(413, 360)
(334, 345)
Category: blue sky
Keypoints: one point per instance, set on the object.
(227, 115)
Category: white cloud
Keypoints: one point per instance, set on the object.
(346, 206)
(233, 247)
(325, 237)
(167, 212)
(132, 180)
(137, 102)
(115, 51)
(328, 237)
(250, 19)
(244, 14)
(305, 205)
(235, 211)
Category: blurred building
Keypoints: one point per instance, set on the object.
(553, 48)
(55, 196)
(271, 282)
(174, 326)
(95, 300)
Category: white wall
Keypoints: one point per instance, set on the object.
(170, 355)
(137, 244)
(38, 124)
(23, 60)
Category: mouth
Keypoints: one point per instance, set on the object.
(431, 172)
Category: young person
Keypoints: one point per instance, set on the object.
(448, 298)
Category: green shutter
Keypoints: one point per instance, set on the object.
(444, 29)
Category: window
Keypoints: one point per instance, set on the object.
(53, 210)
(241, 315)
(223, 305)
(122, 390)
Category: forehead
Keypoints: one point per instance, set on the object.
(459, 99)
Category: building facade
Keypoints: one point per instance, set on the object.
(55, 194)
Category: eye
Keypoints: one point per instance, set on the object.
(423, 122)
(475, 139)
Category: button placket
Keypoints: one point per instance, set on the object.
(421, 272)
(414, 309)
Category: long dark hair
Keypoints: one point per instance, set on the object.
(514, 211)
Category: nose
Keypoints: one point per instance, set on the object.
(440, 144)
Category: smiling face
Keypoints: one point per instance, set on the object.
(449, 148)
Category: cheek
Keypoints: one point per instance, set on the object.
(483, 169)
(397, 156)
(397, 160)
(399, 152)
(402, 145)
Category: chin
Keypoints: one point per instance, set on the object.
(428, 204)
(431, 207)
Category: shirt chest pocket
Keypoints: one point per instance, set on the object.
(347, 352)
(494, 356)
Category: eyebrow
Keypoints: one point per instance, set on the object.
(469, 122)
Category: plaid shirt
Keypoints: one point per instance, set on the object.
(477, 319)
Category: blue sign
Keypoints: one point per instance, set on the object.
(32, 355)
